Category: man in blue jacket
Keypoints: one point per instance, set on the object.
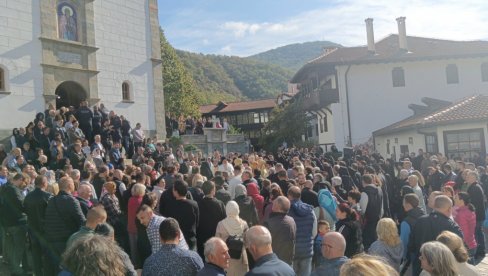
(306, 225)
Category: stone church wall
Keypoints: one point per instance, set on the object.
(123, 36)
(20, 57)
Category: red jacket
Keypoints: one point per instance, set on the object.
(133, 206)
(253, 191)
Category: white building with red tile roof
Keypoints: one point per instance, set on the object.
(368, 87)
(457, 129)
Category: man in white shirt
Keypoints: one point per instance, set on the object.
(413, 181)
(236, 180)
(226, 167)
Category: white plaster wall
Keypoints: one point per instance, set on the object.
(375, 103)
(419, 139)
(403, 139)
(327, 137)
(123, 35)
(338, 124)
(20, 55)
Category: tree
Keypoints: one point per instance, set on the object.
(286, 123)
(180, 94)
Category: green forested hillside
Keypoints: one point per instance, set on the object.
(294, 56)
(192, 79)
(234, 78)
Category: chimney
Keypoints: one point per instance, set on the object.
(402, 34)
(370, 35)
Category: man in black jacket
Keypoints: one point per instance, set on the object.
(185, 211)
(63, 218)
(14, 222)
(85, 117)
(309, 196)
(35, 205)
(211, 212)
(478, 200)
(428, 227)
(283, 230)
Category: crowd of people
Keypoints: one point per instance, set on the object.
(179, 125)
(70, 204)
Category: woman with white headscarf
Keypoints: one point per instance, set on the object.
(233, 225)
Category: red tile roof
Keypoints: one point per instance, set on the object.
(237, 106)
(387, 50)
(474, 108)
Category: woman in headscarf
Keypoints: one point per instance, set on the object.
(246, 205)
(205, 170)
(253, 192)
(233, 225)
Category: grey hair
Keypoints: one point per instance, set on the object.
(336, 181)
(440, 258)
(210, 246)
(75, 172)
(403, 173)
(258, 236)
(413, 176)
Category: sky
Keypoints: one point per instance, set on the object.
(247, 27)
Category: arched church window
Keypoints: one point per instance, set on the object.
(67, 22)
(2, 80)
(126, 93)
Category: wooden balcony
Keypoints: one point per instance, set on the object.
(319, 98)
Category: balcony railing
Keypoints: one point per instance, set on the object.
(319, 98)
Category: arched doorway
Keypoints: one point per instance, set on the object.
(69, 93)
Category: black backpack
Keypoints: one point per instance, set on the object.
(235, 244)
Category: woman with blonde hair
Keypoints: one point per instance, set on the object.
(388, 246)
(420, 177)
(456, 245)
(233, 225)
(437, 259)
(366, 265)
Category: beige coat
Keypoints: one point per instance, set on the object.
(236, 267)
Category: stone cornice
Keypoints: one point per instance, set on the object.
(70, 68)
(90, 48)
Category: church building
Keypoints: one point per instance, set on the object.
(60, 52)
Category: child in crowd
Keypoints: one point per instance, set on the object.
(323, 228)
(353, 198)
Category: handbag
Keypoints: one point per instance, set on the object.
(235, 244)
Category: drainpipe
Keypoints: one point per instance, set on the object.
(349, 142)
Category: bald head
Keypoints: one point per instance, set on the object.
(85, 191)
(333, 245)
(308, 184)
(294, 193)
(431, 199)
(442, 202)
(281, 205)
(66, 184)
(258, 236)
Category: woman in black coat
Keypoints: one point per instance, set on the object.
(349, 226)
(246, 206)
